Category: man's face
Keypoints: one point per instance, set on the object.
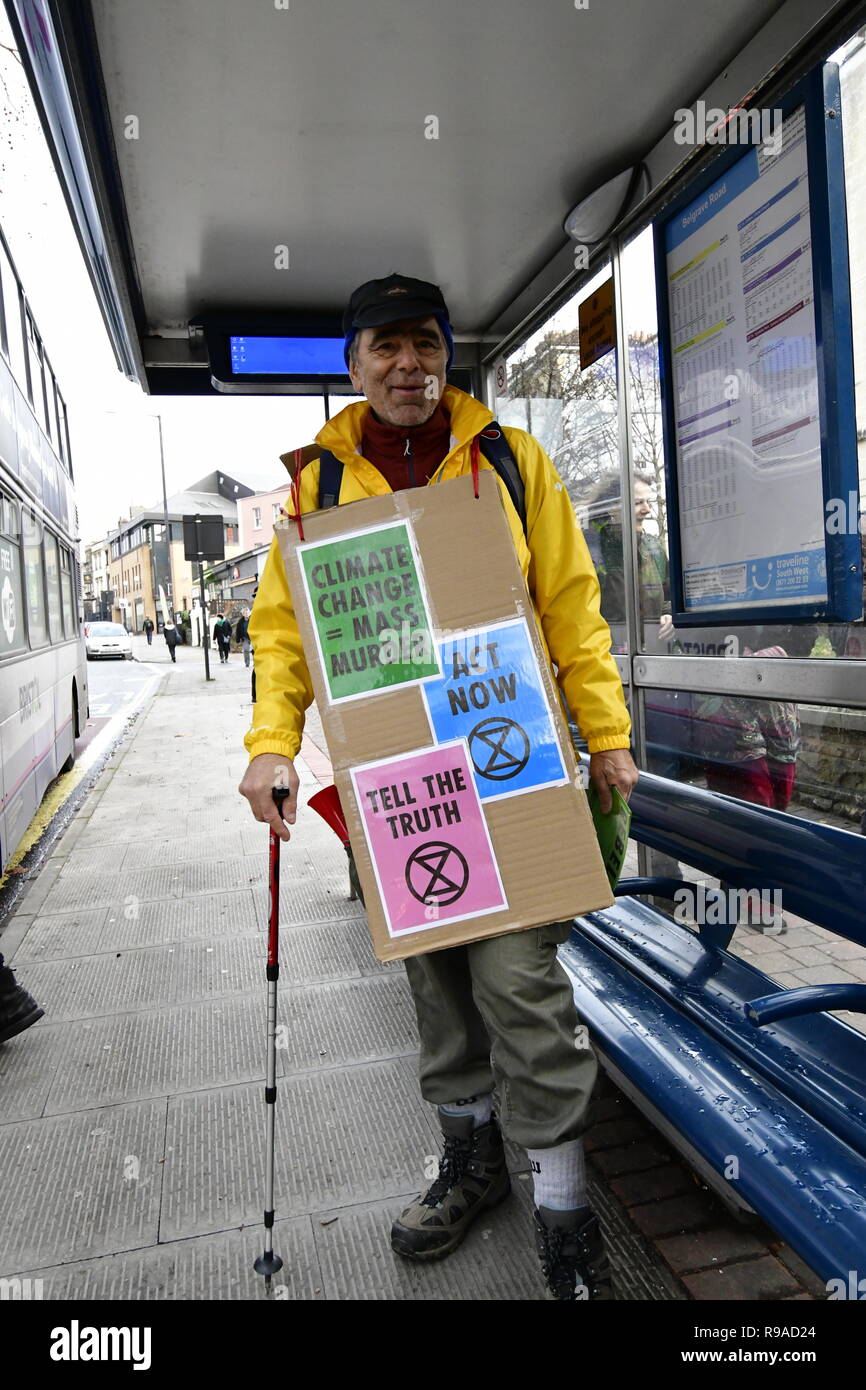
(400, 368)
(643, 500)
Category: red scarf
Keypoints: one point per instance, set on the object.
(386, 447)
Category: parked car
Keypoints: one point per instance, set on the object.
(107, 639)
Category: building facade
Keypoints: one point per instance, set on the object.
(143, 560)
(257, 514)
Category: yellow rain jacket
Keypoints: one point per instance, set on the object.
(553, 556)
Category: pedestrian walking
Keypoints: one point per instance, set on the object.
(242, 635)
(497, 1014)
(172, 640)
(148, 631)
(222, 632)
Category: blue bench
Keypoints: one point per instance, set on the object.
(761, 1089)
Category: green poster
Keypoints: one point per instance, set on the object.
(370, 611)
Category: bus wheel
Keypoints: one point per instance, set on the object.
(70, 761)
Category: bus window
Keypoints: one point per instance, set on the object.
(51, 404)
(37, 384)
(70, 617)
(55, 408)
(52, 574)
(12, 311)
(63, 422)
(12, 635)
(34, 579)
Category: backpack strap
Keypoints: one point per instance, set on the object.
(496, 449)
(493, 444)
(330, 479)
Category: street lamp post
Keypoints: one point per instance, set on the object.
(168, 576)
(170, 579)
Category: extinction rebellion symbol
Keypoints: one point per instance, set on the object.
(499, 749)
(437, 873)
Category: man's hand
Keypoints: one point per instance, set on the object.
(265, 772)
(614, 768)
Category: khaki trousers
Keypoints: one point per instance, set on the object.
(499, 1015)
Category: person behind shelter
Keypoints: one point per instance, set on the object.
(604, 540)
(172, 639)
(222, 632)
(667, 713)
(242, 634)
(507, 993)
(751, 748)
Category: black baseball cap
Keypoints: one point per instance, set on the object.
(396, 297)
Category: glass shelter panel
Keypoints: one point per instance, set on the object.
(572, 412)
(800, 639)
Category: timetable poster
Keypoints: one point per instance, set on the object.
(745, 384)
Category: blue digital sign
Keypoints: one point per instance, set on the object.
(272, 356)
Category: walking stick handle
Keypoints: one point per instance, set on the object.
(279, 795)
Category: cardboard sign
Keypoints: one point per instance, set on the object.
(492, 694)
(428, 840)
(360, 587)
(529, 859)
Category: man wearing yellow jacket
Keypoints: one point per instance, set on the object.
(497, 1013)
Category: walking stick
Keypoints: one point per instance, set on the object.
(268, 1263)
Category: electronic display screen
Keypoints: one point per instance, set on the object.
(253, 355)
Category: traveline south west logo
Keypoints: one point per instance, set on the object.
(77, 1343)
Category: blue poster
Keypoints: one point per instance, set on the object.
(492, 694)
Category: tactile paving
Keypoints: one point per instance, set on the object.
(65, 934)
(100, 985)
(139, 1056)
(329, 951)
(179, 919)
(27, 1067)
(95, 859)
(309, 900)
(229, 874)
(73, 891)
(112, 828)
(98, 1180)
(342, 1138)
(211, 1267)
(122, 981)
(353, 1021)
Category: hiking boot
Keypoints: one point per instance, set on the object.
(573, 1258)
(472, 1178)
(17, 1008)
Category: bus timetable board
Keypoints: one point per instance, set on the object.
(755, 331)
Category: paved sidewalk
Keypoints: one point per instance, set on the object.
(132, 1116)
(132, 1121)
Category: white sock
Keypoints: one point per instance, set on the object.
(479, 1107)
(559, 1176)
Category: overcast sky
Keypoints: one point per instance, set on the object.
(116, 455)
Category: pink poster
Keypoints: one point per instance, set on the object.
(428, 839)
